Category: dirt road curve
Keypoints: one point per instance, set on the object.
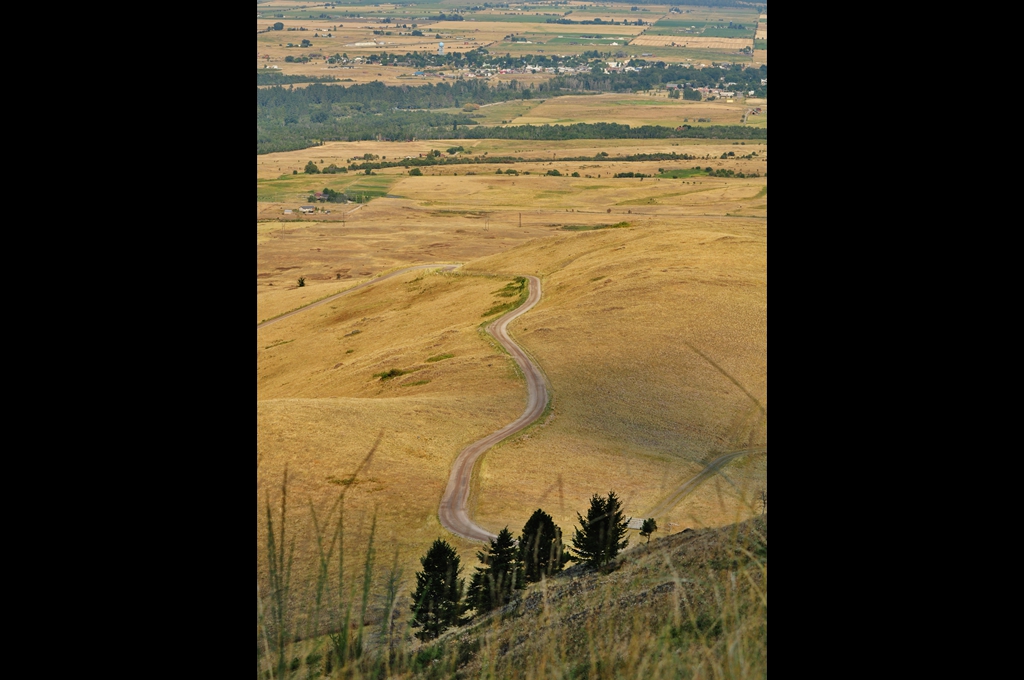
(364, 284)
(684, 489)
(453, 512)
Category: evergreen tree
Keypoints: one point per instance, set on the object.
(597, 541)
(648, 528)
(541, 548)
(437, 603)
(493, 585)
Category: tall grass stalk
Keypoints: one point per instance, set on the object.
(277, 657)
(692, 605)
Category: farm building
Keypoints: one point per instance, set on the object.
(307, 208)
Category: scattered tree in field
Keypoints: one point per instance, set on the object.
(416, 172)
(311, 169)
(540, 547)
(598, 539)
(437, 602)
(332, 196)
(493, 585)
(648, 528)
(278, 26)
(302, 281)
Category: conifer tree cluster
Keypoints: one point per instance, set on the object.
(510, 564)
(599, 538)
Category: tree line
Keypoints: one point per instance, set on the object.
(409, 126)
(434, 157)
(660, 74)
(441, 599)
(613, 131)
(288, 118)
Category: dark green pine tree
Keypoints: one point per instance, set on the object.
(502, 574)
(437, 603)
(540, 547)
(597, 540)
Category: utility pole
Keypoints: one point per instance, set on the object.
(520, 220)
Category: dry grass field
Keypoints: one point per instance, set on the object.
(699, 42)
(441, 217)
(646, 334)
(320, 408)
(275, 165)
(632, 110)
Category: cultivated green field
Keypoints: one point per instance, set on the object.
(298, 187)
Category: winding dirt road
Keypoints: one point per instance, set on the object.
(364, 284)
(454, 513)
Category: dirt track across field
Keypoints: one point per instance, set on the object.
(364, 284)
(684, 489)
(454, 512)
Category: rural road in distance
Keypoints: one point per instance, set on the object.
(454, 513)
(364, 284)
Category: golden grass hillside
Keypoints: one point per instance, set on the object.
(320, 408)
(651, 337)
(689, 605)
(692, 604)
(654, 339)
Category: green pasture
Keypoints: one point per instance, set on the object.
(371, 186)
(680, 23)
(493, 115)
(760, 120)
(298, 187)
(681, 173)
